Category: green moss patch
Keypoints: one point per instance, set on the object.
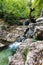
(25, 53)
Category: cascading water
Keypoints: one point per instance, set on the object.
(13, 47)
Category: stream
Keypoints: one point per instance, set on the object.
(10, 49)
(7, 52)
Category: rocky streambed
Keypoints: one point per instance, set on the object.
(28, 47)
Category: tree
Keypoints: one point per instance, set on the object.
(38, 5)
(1, 8)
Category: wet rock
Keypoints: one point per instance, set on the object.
(20, 38)
(26, 22)
(30, 31)
(35, 55)
(38, 32)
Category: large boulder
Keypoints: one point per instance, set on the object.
(38, 32)
(35, 55)
(30, 31)
(32, 27)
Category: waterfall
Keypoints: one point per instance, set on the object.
(23, 23)
(13, 47)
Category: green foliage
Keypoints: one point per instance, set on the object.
(16, 9)
(1, 2)
(38, 5)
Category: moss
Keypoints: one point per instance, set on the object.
(25, 53)
(4, 57)
(34, 40)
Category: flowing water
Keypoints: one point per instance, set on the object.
(4, 57)
(10, 50)
(6, 53)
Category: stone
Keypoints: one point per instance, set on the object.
(39, 19)
(2, 45)
(30, 32)
(38, 32)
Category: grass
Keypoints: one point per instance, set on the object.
(4, 57)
